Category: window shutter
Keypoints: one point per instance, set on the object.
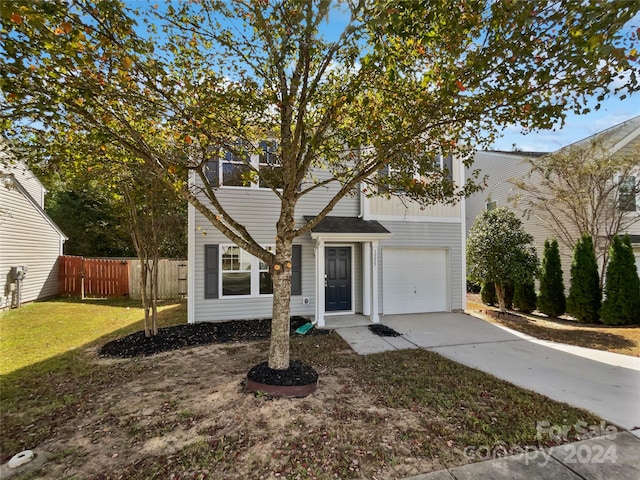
(211, 271)
(296, 270)
(447, 163)
(211, 172)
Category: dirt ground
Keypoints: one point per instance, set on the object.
(171, 405)
(617, 339)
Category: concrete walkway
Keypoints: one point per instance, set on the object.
(604, 383)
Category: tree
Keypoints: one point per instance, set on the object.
(551, 299)
(621, 303)
(585, 295)
(402, 82)
(580, 189)
(524, 297)
(500, 251)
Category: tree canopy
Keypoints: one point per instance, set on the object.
(347, 87)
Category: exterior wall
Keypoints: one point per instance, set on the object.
(258, 210)
(26, 238)
(381, 208)
(432, 235)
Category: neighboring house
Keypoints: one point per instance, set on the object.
(370, 256)
(503, 167)
(28, 237)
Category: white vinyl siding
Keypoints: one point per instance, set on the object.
(26, 238)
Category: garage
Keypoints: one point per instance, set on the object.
(414, 280)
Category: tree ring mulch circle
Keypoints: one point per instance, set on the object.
(299, 380)
(383, 330)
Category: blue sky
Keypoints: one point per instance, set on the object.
(612, 112)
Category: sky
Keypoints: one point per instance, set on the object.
(612, 112)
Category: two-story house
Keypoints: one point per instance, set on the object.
(29, 240)
(370, 256)
(503, 168)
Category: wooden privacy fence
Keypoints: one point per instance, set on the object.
(172, 278)
(99, 277)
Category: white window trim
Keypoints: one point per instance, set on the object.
(255, 274)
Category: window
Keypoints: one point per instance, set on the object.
(237, 273)
(266, 285)
(269, 165)
(627, 192)
(232, 170)
(491, 205)
(442, 163)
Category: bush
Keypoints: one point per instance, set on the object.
(584, 296)
(551, 300)
(524, 297)
(473, 287)
(488, 293)
(622, 291)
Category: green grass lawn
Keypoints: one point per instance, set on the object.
(43, 330)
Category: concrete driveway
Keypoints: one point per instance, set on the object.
(604, 383)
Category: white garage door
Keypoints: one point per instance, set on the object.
(414, 280)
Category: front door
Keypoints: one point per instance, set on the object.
(337, 274)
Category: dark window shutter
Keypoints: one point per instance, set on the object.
(211, 172)
(447, 163)
(296, 270)
(211, 271)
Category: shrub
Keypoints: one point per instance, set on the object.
(500, 251)
(524, 297)
(621, 305)
(551, 300)
(584, 296)
(488, 293)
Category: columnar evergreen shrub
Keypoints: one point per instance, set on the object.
(524, 297)
(584, 296)
(622, 290)
(488, 293)
(551, 299)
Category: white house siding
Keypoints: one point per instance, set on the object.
(26, 238)
(383, 208)
(435, 235)
(258, 210)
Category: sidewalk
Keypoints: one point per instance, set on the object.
(594, 459)
(605, 383)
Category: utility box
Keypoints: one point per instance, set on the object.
(18, 273)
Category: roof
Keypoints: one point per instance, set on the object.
(331, 224)
(517, 153)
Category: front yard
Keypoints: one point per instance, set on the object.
(184, 414)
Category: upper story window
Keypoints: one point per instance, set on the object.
(627, 192)
(442, 163)
(238, 169)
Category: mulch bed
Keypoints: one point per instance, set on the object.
(180, 336)
(297, 374)
(383, 330)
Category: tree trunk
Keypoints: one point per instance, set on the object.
(143, 293)
(154, 293)
(500, 293)
(280, 323)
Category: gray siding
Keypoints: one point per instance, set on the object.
(26, 238)
(431, 235)
(258, 210)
